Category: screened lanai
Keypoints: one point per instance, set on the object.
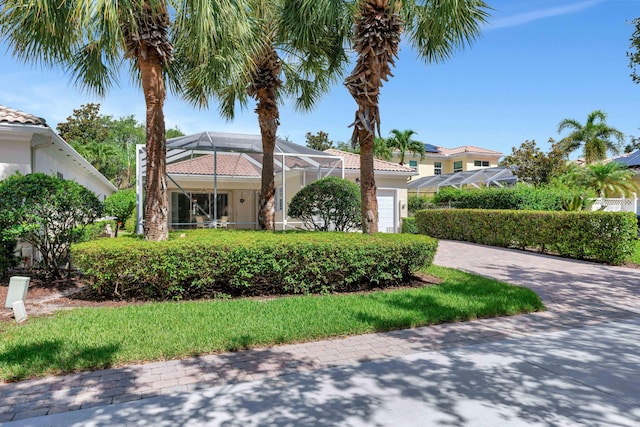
(497, 176)
(214, 178)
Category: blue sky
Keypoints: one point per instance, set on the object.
(536, 63)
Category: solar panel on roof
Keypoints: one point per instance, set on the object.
(631, 160)
(428, 148)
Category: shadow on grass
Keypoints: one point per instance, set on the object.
(52, 357)
(465, 300)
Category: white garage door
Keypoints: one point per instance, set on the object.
(386, 212)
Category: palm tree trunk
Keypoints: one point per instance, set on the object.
(376, 39)
(264, 89)
(156, 205)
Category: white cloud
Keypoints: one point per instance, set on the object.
(525, 18)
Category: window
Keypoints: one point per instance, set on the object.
(457, 166)
(413, 164)
(437, 168)
(483, 163)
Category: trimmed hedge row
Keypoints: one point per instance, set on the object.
(521, 197)
(206, 263)
(599, 236)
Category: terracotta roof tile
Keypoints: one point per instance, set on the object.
(228, 164)
(9, 115)
(352, 161)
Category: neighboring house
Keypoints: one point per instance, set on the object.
(214, 180)
(441, 160)
(28, 145)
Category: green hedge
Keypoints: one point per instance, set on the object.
(207, 263)
(521, 197)
(409, 225)
(600, 236)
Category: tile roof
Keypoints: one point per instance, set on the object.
(9, 115)
(228, 164)
(467, 149)
(352, 161)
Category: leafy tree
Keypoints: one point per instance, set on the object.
(634, 53)
(329, 204)
(633, 145)
(174, 133)
(91, 40)
(534, 166)
(594, 137)
(85, 126)
(607, 179)
(300, 55)
(45, 211)
(402, 142)
(380, 148)
(319, 141)
(120, 204)
(435, 29)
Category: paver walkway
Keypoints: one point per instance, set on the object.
(575, 293)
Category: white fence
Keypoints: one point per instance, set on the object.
(617, 205)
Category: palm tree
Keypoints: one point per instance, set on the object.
(402, 142)
(300, 54)
(606, 179)
(435, 28)
(594, 136)
(91, 40)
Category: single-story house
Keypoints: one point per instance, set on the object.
(29, 145)
(214, 180)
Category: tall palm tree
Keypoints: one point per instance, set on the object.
(606, 179)
(435, 28)
(91, 39)
(402, 142)
(594, 136)
(300, 54)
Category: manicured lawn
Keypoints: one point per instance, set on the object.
(92, 338)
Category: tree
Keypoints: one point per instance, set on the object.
(120, 204)
(435, 28)
(633, 145)
(46, 212)
(606, 179)
(91, 40)
(300, 54)
(634, 53)
(534, 166)
(594, 137)
(402, 142)
(328, 204)
(84, 126)
(319, 141)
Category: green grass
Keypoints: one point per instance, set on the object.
(93, 338)
(635, 259)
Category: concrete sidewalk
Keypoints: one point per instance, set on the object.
(592, 322)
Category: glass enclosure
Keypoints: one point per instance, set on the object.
(185, 208)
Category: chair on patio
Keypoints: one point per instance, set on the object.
(223, 222)
(200, 221)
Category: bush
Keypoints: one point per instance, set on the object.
(7, 258)
(93, 231)
(599, 236)
(213, 262)
(417, 203)
(121, 204)
(329, 204)
(130, 223)
(521, 197)
(45, 211)
(409, 225)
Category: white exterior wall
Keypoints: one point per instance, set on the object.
(15, 154)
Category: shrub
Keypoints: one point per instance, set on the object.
(417, 203)
(120, 204)
(329, 204)
(409, 225)
(213, 262)
(7, 258)
(45, 211)
(521, 197)
(93, 231)
(600, 236)
(130, 223)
